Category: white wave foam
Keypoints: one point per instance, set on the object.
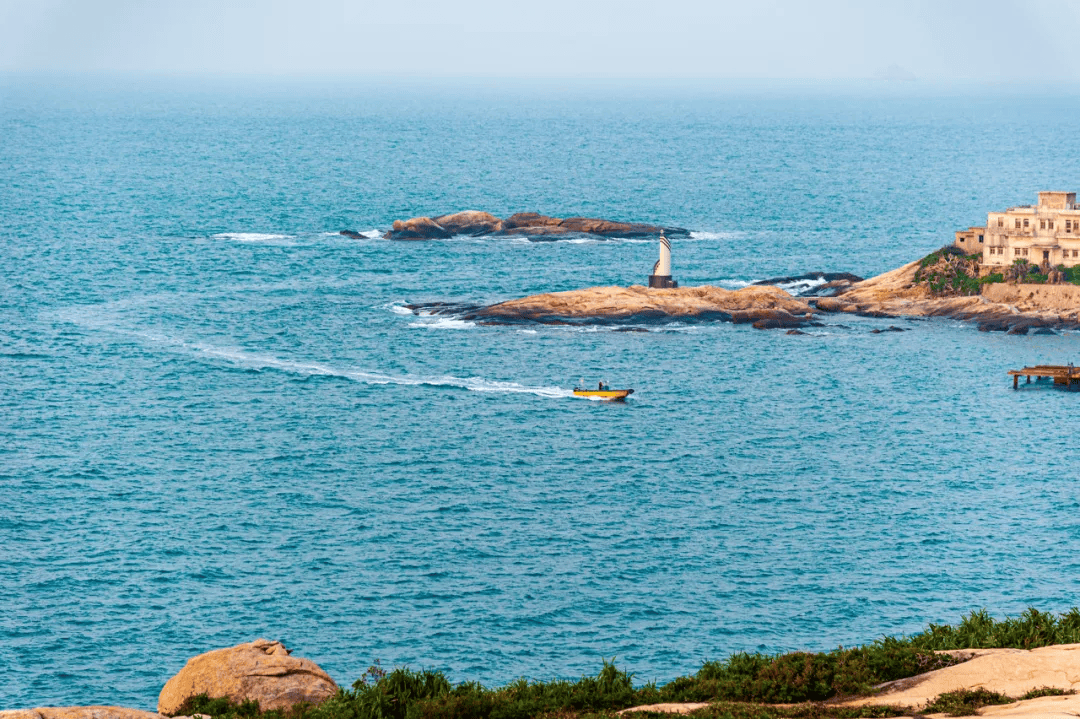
(800, 287)
(473, 384)
(733, 284)
(372, 234)
(249, 236)
(399, 309)
(715, 235)
(444, 323)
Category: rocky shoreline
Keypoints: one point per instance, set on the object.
(763, 307)
(1007, 682)
(1000, 307)
(1012, 308)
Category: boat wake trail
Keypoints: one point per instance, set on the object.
(473, 384)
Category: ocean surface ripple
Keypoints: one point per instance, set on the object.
(218, 421)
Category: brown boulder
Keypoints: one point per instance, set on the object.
(831, 304)
(261, 670)
(469, 222)
(609, 228)
(529, 219)
(417, 228)
(95, 712)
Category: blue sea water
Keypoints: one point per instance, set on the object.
(218, 421)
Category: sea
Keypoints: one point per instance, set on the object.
(220, 419)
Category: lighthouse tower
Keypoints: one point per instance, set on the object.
(661, 271)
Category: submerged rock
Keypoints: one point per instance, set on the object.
(261, 670)
(352, 234)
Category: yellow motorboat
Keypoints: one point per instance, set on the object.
(615, 395)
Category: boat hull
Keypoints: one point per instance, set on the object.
(608, 394)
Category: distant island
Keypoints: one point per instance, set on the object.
(473, 223)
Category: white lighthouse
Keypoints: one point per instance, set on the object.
(661, 271)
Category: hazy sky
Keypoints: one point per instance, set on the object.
(992, 40)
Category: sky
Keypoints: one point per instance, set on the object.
(987, 41)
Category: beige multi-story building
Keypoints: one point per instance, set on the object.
(1044, 234)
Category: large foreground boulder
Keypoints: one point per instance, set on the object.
(261, 670)
(97, 712)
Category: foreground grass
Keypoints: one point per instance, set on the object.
(741, 687)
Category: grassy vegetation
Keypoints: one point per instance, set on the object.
(949, 272)
(979, 630)
(965, 702)
(741, 687)
(1047, 692)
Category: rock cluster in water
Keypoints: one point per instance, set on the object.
(763, 307)
(474, 223)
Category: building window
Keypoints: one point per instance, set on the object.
(1051, 224)
(1025, 223)
(1068, 225)
(1076, 253)
(1042, 224)
(1001, 222)
(1017, 223)
(980, 238)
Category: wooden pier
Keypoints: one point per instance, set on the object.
(1065, 375)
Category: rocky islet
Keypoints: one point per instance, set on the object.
(475, 223)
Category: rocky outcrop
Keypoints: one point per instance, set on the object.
(96, 712)
(418, 228)
(1001, 307)
(261, 670)
(1012, 672)
(764, 307)
(470, 222)
(528, 224)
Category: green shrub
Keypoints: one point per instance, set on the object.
(1047, 692)
(979, 630)
(740, 683)
(965, 702)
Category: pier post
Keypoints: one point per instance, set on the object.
(1016, 381)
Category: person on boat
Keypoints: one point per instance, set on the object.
(600, 386)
